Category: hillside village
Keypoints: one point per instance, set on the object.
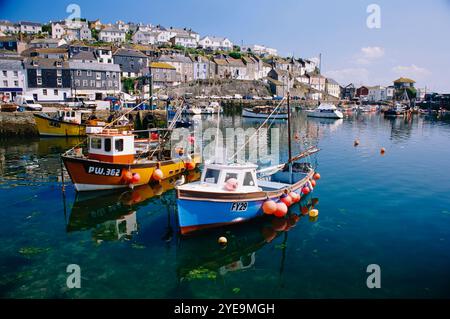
(62, 59)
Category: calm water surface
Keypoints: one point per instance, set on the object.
(391, 210)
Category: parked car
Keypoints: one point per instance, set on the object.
(256, 97)
(277, 98)
(248, 97)
(28, 103)
(267, 98)
(238, 97)
(227, 97)
(73, 102)
(215, 97)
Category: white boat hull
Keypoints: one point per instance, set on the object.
(326, 115)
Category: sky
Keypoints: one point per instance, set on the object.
(362, 42)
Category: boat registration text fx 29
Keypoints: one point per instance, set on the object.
(239, 207)
(117, 172)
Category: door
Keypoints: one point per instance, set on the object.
(35, 97)
(65, 96)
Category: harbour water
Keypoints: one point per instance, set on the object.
(392, 210)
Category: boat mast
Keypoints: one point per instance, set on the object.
(289, 125)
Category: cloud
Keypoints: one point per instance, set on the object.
(369, 54)
(412, 71)
(349, 75)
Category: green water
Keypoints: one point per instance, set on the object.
(391, 210)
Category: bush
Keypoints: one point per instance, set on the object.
(235, 55)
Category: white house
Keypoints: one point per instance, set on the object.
(122, 26)
(260, 50)
(9, 27)
(215, 43)
(333, 88)
(12, 78)
(145, 37)
(112, 35)
(182, 32)
(202, 68)
(46, 43)
(377, 94)
(30, 27)
(71, 30)
(186, 41)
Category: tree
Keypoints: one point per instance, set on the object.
(129, 36)
(94, 33)
(47, 28)
(128, 84)
(235, 55)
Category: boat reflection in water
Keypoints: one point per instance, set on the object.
(111, 215)
(199, 256)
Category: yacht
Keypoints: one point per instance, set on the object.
(326, 111)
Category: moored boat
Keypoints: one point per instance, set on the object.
(264, 112)
(397, 110)
(328, 111)
(111, 162)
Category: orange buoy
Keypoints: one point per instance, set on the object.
(231, 184)
(190, 166)
(223, 241)
(313, 183)
(294, 196)
(282, 210)
(316, 176)
(136, 178)
(128, 176)
(287, 200)
(383, 150)
(158, 175)
(269, 207)
(306, 190)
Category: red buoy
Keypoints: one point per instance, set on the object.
(287, 200)
(190, 166)
(136, 178)
(282, 210)
(158, 175)
(316, 176)
(306, 190)
(295, 197)
(304, 210)
(128, 177)
(269, 207)
(313, 183)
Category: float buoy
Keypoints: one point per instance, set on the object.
(154, 136)
(356, 142)
(231, 184)
(269, 207)
(128, 176)
(306, 190)
(190, 166)
(158, 175)
(282, 210)
(295, 197)
(136, 178)
(287, 200)
(316, 176)
(222, 241)
(383, 150)
(191, 139)
(313, 213)
(313, 183)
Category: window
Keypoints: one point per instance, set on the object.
(16, 83)
(109, 83)
(78, 72)
(96, 143)
(248, 179)
(109, 61)
(89, 73)
(59, 81)
(59, 64)
(98, 76)
(77, 82)
(212, 176)
(85, 82)
(116, 84)
(114, 75)
(99, 84)
(100, 60)
(108, 75)
(58, 72)
(39, 81)
(16, 73)
(38, 72)
(92, 83)
(119, 145)
(5, 83)
(44, 92)
(230, 176)
(107, 145)
(55, 92)
(5, 73)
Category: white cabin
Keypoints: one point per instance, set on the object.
(112, 146)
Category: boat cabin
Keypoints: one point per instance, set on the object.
(69, 115)
(235, 177)
(112, 146)
(326, 108)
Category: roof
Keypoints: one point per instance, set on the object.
(50, 40)
(84, 55)
(235, 62)
(94, 66)
(34, 24)
(112, 29)
(404, 80)
(331, 81)
(130, 52)
(215, 39)
(44, 63)
(161, 65)
(8, 39)
(11, 64)
(175, 58)
(221, 61)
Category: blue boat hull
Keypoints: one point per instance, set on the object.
(195, 215)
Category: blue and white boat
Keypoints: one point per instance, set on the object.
(235, 192)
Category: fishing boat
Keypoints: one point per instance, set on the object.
(68, 122)
(112, 162)
(233, 192)
(397, 110)
(328, 111)
(264, 112)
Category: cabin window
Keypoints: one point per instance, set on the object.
(96, 143)
(248, 179)
(230, 176)
(119, 145)
(212, 176)
(107, 145)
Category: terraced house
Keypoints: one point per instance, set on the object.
(92, 79)
(12, 78)
(163, 74)
(132, 63)
(47, 80)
